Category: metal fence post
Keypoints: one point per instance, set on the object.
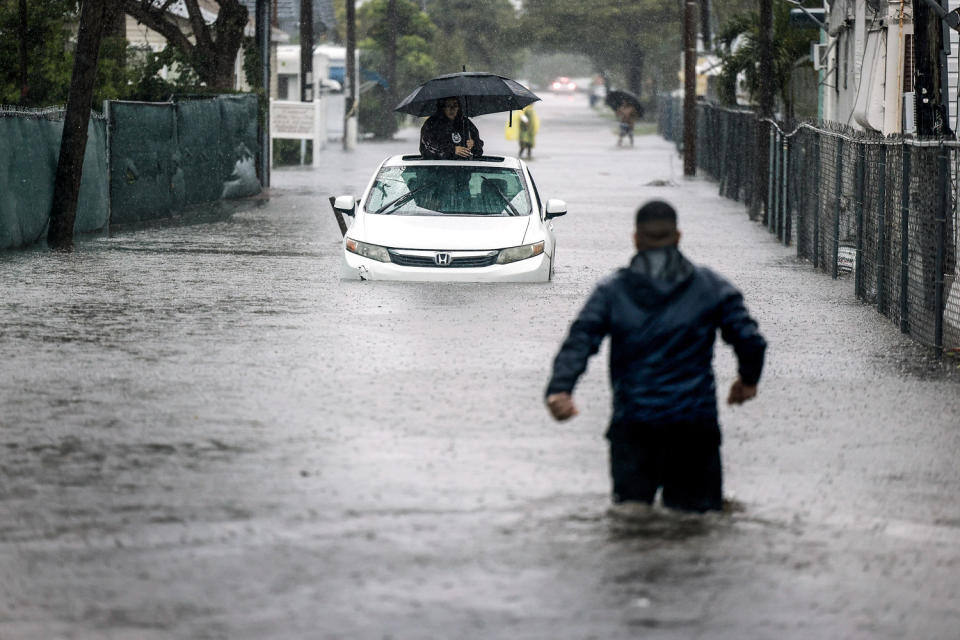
(834, 271)
(818, 189)
(904, 237)
(943, 184)
(774, 204)
(859, 188)
(882, 234)
(771, 178)
(785, 179)
(798, 181)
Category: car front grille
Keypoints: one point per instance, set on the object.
(457, 259)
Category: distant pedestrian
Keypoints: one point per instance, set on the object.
(523, 127)
(662, 313)
(627, 115)
(598, 90)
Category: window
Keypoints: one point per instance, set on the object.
(448, 190)
(284, 81)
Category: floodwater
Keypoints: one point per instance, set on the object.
(205, 434)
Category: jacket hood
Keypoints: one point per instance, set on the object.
(656, 275)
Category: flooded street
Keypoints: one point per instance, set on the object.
(206, 434)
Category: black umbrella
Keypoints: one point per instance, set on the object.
(618, 97)
(480, 93)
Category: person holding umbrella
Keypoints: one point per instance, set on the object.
(448, 134)
(627, 115)
(449, 100)
(628, 110)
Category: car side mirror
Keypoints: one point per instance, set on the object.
(345, 205)
(555, 208)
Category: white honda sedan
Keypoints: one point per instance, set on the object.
(479, 220)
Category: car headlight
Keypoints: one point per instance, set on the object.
(372, 251)
(513, 254)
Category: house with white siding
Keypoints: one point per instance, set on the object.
(139, 35)
(867, 64)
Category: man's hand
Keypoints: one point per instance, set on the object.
(464, 152)
(470, 144)
(740, 393)
(561, 406)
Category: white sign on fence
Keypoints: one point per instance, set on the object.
(299, 121)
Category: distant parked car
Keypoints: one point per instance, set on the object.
(563, 84)
(479, 220)
(330, 86)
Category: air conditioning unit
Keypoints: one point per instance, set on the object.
(909, 112)
(818, 55)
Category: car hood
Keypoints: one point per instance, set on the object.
(442, 232)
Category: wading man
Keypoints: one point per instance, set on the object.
(662, 314)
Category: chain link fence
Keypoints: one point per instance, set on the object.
(881, 211)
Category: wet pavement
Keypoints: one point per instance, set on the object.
(205, 434)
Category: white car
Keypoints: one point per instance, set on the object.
(479, 220)
(563, 84)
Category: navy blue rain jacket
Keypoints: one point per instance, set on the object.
(662, 314)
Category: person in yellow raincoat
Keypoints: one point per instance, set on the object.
(524, 127)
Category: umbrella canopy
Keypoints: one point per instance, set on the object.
(478, 91)
(618, 97)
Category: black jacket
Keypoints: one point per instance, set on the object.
(439, 135)
(662, 314)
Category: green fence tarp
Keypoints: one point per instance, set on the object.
(198, 129)
(29, 149)
(146, 180)
(162, 157)
(165, 156)
(239, 144)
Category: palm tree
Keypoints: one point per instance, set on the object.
(739, 51)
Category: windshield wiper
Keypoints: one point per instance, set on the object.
(402, 200)
(513, 210)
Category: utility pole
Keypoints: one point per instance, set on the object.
(690, 88)
(393, 35)
(306, 51)
(350, 108)
(930, 64)
(706, 26)
(22, 50)
(762, 151)
(262, 37)
(73, 143)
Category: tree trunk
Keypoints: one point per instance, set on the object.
(706, 25)
(22, 26)
(73, 144)
(117, 28)
(635, 72)
(213, 48)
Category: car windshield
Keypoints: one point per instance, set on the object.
(455, 190)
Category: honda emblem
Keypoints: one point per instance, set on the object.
(442, 259)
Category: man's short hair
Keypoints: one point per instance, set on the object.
(656, 224)
(656, 211)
